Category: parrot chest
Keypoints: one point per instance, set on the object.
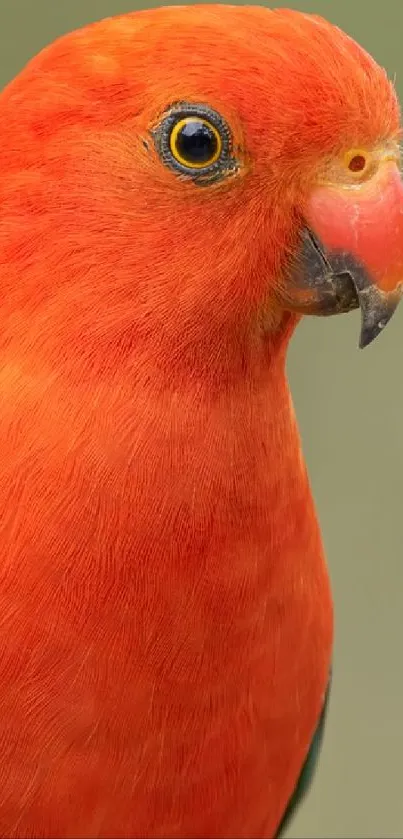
(168, 652)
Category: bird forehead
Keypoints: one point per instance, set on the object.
(205, 39)
(265, 70)
(247, 56)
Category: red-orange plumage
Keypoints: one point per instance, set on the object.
(164, 601)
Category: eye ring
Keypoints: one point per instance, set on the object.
(208, 125)
(357, 161)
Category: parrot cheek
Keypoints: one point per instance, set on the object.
(351, 253)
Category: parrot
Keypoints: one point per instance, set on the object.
(180, 187)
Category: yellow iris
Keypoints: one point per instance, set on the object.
(175, 144)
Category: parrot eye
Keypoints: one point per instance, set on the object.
(357, 162)
(194, 140)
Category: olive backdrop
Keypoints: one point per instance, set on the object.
(350, 408)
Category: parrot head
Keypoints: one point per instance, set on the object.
(190, 178)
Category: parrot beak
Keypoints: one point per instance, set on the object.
(352, 252)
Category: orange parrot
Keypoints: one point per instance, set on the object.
(178, 187)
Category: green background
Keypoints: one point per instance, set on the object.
(350, 408)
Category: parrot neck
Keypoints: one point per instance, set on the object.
(223, 359)
(229, 460)
(204, 471)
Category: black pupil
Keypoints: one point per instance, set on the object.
(196, 143)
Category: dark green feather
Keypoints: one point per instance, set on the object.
(308, 769)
